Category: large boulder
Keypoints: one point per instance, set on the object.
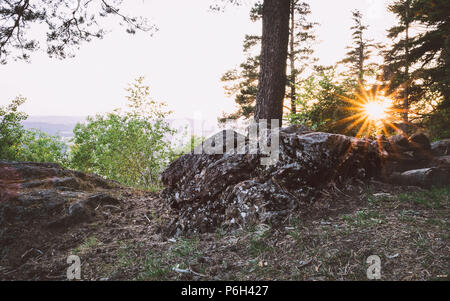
(39, 192)
(235, 188)
(37, 199)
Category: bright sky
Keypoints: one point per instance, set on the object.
(182, 62)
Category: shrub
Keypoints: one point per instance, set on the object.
(11, 130)
(37, 146)
(131, 147)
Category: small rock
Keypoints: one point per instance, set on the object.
(441, 148)
(399, 143)
(419, 141)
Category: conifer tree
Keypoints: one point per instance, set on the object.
(242, 82)
(361, 50)
(422, 60)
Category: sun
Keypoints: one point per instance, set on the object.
(378, 109)
(373, 111)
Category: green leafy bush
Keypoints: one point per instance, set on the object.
(37, 146)
(320, 101)
(131, 147)
(11, 130)
(18, 144)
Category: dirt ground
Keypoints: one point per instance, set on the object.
(407, 227)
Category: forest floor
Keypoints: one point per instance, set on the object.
(407, 227)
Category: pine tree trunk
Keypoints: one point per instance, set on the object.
(445, 90)
(272, 78)
(292, 60)
(361, 60)
(406, 100)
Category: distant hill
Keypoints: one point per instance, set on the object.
(54, 125)
(64, 125)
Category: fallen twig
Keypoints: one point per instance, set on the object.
(148, 219)
(305, 263)
(112, 206)
(28, 252)
(187, 271)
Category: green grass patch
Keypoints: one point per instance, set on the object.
(185, 247)
(258, 244)
(126, 255)
(155, 268)
(89, 243)
(364, 218)
(436, 197)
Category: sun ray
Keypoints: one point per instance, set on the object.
(363, 127)
(355, 116)
(354, 124)
(352, 101)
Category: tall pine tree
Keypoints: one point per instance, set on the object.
(421, 62)
(274, 48)
(242, 83)
(397, 59)
(359, 53)
(301, 36)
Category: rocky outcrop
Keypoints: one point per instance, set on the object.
(37, 199)
(208, 190)
(234, 188)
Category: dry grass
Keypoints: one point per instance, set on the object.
(408, 228)
(409, 231)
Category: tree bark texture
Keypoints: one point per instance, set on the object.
(272, 78)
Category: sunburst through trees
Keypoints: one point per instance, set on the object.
(374, 112)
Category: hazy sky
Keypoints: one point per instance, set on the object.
(182, 62)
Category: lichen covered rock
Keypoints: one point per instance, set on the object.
(234, 188)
